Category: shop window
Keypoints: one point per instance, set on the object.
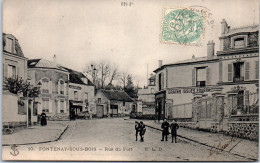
(11, 71)
(201, 77)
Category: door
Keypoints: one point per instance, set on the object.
(100, 111)
(29, 113)
(114, 109)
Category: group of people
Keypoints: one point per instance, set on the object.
(140, 129)
(166, 130)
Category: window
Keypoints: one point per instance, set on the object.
(9, 45)
(123, 103)
(99, 100)
(11, 71)
(45, 105)
(76, 95)
(45, 86)
(61, 106)
(238, 71)
(201, 77)
(152, 82)
(239, 42)
(61, 87)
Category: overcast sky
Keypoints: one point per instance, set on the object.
(79, 31)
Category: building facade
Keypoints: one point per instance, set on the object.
(17, 110)
(81, 93)
(113, 103)
(53, 79)
(146, 97)
(215, 92)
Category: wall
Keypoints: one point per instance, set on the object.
(104, 100)
(10, 108)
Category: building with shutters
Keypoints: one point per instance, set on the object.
(54, 87)
(81, 92)
(216, 92)
(16, 110)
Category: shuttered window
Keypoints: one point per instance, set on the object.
(220, 71)
(193, 77)
(247, 70)
(230, 72)
(257, 69)
(246, 98)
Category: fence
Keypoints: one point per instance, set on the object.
(180, 111)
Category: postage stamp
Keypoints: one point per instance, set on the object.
(183, 26)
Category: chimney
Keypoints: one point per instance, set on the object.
(160, 63)
(54, 59)
(210, 50)
(224, 27)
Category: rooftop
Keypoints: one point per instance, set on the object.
(18, 50)
(117, 95)
(42, 63)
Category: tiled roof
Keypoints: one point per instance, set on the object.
(42, 63)
(75, 77)
(252, 28)
(117, 95)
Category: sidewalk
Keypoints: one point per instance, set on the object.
(36, 134)
(241, 147)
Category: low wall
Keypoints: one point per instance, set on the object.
(247, 130)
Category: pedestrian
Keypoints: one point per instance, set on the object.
(165, 132)
(174, 127)
(137, 128)
(90, 114)
(43, 118)
(142, 130)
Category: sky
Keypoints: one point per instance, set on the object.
(81, 31)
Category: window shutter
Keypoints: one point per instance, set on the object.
(18, 73)
(65, 91)
(50, 106)
(246, 98)
(58, 109)
(50, 86)
(220, 71)
(65, 106)
(208, 82)
(247, 70)
(5, 70)
(58, 87)
(257, 69)
(230, 72)
(193, 77)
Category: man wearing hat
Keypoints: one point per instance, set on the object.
(174, 127)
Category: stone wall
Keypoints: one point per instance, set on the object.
(247, 130)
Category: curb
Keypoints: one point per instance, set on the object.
(195, 141)
(43, 142)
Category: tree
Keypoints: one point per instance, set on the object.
(129, 88)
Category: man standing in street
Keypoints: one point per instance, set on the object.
(174, 127)
(137, 127)
(142, 130)
(165, 126)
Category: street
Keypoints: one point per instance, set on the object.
(114, 139)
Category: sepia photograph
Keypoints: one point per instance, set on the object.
(130, 80)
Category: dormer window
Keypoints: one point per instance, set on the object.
(239, 42)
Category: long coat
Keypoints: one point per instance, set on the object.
(174, 127)
(165, 126)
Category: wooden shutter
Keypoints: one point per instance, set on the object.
(246, 98)
(58, 109)
(5, 70)
(208, 81)
(18, 72)
(247, 70)
(230, 72)
(50, 105)
(220, 71)
(194, 77)
(58, 87)
(256, 69)
(50, 86)
(64, 89)
(162, 81)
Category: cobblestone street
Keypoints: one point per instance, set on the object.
(114, 139)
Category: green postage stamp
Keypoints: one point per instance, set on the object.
(183, 26)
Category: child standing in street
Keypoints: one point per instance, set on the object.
(174, 127)
(137, 125)
(142, 131)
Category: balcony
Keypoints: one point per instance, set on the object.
(238, 79)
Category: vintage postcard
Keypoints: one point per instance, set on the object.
(130, 80)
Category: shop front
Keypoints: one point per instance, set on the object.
(160, 99)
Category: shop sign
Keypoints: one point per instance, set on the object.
(188, 90)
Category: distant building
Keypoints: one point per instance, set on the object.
(81, 92)
(214, 92)
(16, 110)
(147, 98)
(54, 90)
(113, 103)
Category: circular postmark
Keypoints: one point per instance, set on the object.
(183, 26)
